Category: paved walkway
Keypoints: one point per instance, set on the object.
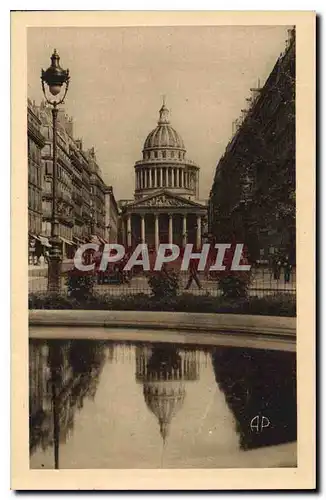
(42, 270)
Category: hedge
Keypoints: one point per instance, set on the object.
(273, 305)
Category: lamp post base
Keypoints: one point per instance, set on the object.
(54, 275)
(54, 267)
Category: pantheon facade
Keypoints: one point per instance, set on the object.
(166, 207)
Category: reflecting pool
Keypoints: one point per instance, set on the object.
(103, 404)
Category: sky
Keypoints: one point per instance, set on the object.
(120, 75)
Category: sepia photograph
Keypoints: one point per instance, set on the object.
(160, 179)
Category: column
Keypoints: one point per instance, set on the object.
(198, 234)
(129, 230)
(165, 177)
(182, 185)
(161, 179)
(152, 177)
(173, 177)
(184, 230)
(170, 228)
(155, 177)
(143, 235)
(157, 232)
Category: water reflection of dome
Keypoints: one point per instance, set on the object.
(164, 399)
(166, 361)
(163, 372)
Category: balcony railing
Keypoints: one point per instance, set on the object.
(77, 198)
(38, 137)
(67, 219)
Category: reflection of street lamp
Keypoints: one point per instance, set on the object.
(55, 78)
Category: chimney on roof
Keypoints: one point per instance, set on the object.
(79, 144)
(66, 122)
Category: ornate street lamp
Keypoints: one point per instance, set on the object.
(55, 82)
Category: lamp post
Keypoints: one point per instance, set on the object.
(92, 216)
(55, 82)
(109, 227)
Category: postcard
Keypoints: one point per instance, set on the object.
(163, 326)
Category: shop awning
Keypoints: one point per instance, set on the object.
(78, 240)
(45, 242)
(94, 239)
(67, 241)
(34, 237)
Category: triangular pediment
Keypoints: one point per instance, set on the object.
(164, 199)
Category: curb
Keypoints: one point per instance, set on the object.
(273, 326)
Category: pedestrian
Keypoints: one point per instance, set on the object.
(211, 257)
(277, 265)
(193, 275)
(287, 270)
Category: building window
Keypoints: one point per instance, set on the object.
(48, 168)
(47, 149)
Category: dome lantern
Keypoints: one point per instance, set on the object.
(164, 114)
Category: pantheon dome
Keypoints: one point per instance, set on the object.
(164, 163)
(166, 207)
(164, 137)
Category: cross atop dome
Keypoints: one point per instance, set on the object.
(164, 114)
